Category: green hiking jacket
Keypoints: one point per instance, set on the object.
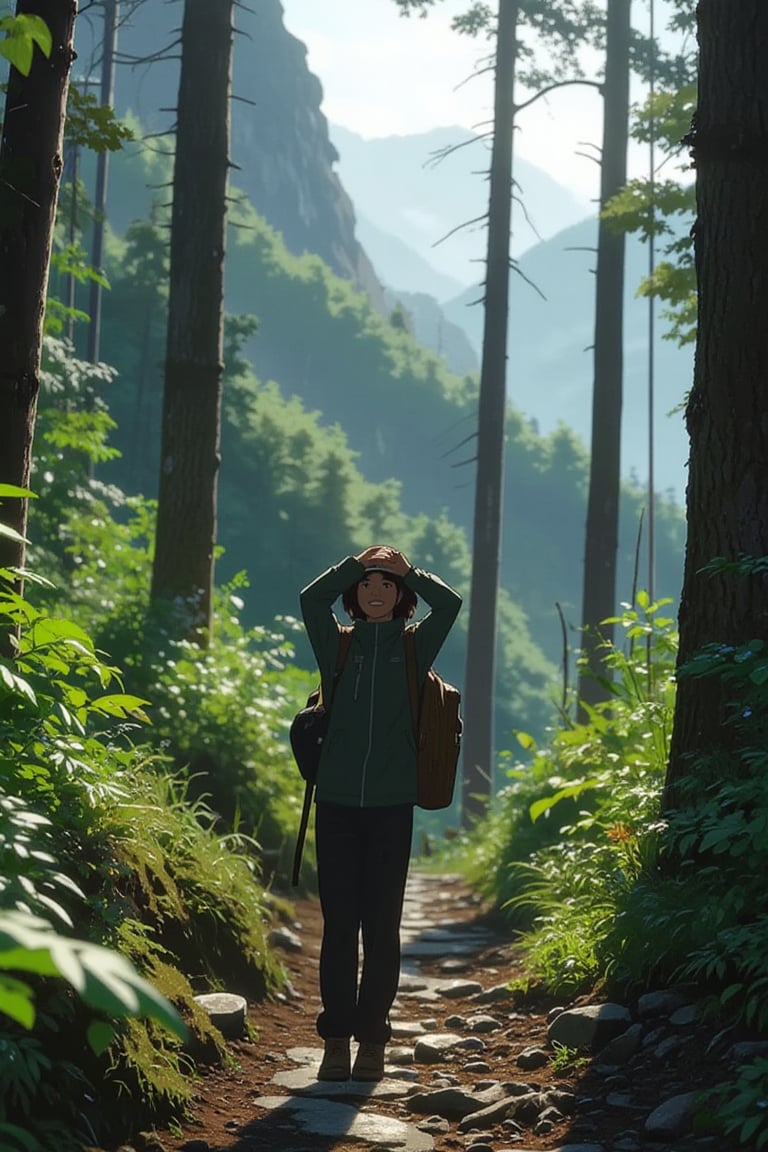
(369, 754)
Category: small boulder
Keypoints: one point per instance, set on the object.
(226, 1011)
(592, 1026)
(672, 1118)
(286, 939)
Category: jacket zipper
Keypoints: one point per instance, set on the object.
(370, 718)
(358, 674)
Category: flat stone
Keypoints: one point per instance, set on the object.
(412, 983)
(408, 1029)
(532, 1058)
(457, 989)
(400, 1055)
(304, 1055)
(592, 1026)
(488, 1117)
(435, 1047)
(745, 1050)
(672, 1118)
(454, 965)
(493, 995)
(481, 1022)
(453, 1103)
(661, 1003)
(285, 939)
(439, 947)
(304, 1081)
(622, 1048)
(319, 1117)
(688, 1014)
(227, 1012)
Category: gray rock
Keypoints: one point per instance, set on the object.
(487, 1117)
(452, 1103)
(410, 983)
(406, 1030)
(285, 939)
(435, 1125)
(303, 1081)
(543, 1127)
(455, 1021)
(668, 1047)
(472, 1044)
(454, 965)
(483, 1023)
(592, 1026)
(554, 1013)
(494, 995)
(688, 1014)
(672, 1118)
(531, 1058)
(747, 1050)
(344, 1123)
(476, 1066)
(515, 1088)
(560, 1098)
(622, 1048)
(662, 1003)
(430, 1024)
(400, 1055)
(458, 989)
(481, 1145)
(226, 1011)
(619, 1100)
(434, 1048)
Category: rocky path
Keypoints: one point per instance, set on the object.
(471, 1065)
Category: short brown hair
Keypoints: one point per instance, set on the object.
(405, 607)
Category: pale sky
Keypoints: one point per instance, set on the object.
(385, 75)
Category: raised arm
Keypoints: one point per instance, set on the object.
(317, 601)
(433, 629)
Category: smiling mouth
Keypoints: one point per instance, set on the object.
(375, 603)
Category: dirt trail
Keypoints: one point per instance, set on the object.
(499, 1052)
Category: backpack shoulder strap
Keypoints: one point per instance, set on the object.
(413, 679)
(345, 642)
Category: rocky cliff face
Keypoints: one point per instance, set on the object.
(280, 144)
(283, 148)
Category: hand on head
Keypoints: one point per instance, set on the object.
(382, 556)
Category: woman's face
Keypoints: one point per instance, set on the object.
(377, 595)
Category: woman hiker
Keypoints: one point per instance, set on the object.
(366, 790)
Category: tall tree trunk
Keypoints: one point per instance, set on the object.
(31, 162)
(727, 496)
(106, 96)
(602, 534)
(186, 520)
(480, 678)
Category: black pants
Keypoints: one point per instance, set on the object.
(362, 861)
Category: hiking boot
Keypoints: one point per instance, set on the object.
(335, 1062)
(369, 1062)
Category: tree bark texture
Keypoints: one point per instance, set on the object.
(31, 161)
(186, 521)
(602, 532)
(727, 411)
(480, 678)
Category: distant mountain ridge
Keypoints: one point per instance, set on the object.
(550, 365)
(395, 184)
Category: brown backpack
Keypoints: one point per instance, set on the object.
(437, 727)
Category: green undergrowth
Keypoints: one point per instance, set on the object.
(614, 896)
(100, 842)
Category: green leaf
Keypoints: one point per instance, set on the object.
(5, 529)
(16, 1001)
(13, 490)
(121, 704)
(571, 790)
(100, 1035)
(525, 740)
